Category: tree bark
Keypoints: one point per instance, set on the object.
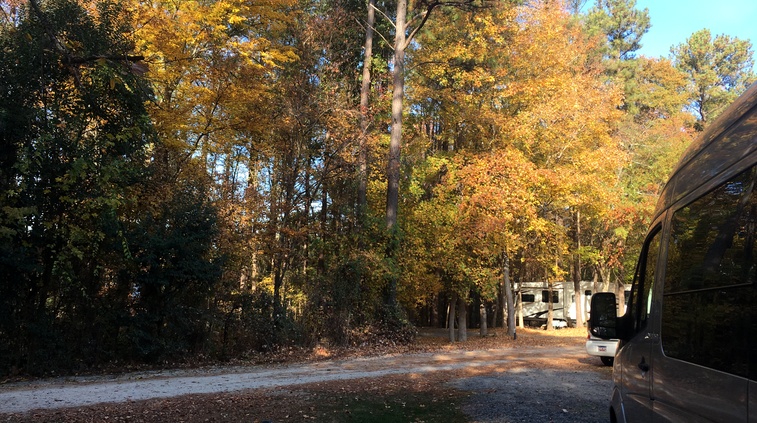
(520, 310)
(577, 293)
(501, 305)
(398, 93)
(451, 317)
(508, 296)
(395, 143)
(621, 295)
(462, 320)
(365, 90)
(550, 307)
(484, 329)
(435, 311)
(497, 307)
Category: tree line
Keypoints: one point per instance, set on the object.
(217, 178)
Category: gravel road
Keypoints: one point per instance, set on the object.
(538, 395)
(543, 384)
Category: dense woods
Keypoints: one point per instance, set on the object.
(212, 178)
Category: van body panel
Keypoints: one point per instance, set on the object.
(686, 392)
(617, 408)
(636, 383)
(752, 407)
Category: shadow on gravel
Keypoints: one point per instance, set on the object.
(537, 395)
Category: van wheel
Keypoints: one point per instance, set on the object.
(607, 361)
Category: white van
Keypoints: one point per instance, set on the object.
(688, 340)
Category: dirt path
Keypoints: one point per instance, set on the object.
(84, 392)
(543, 382)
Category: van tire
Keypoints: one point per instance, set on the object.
(607, 361)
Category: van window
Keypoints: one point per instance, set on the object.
(638, 299)
(709, 297)
(641, 290)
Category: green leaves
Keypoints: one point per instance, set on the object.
(74, 154)
(622, 24)
(718, 69)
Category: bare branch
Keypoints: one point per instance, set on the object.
(374, 30)
(384, 15)
(119, 58)
(426, 15)
(462, 4)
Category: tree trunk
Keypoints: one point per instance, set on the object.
(462, 319)
(520, 310)
(577, 293)
(484, 329)
(550, 307)
(398, 93)
(434, 318)
(365, 90)
(605, 276)
(501, 305)
(621, 295)
(508, 296)
(451, 317)
(276, 266)
(395, 143)
(304, 220)
(497, 307)
(278, 304)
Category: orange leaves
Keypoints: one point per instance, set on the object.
(498, 201)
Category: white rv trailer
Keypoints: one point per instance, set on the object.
(533, 302)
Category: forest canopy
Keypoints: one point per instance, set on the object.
(213, 178)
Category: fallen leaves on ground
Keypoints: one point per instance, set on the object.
(424, 396)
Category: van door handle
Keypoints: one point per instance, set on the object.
(643, 365)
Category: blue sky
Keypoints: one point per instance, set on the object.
(673, 21)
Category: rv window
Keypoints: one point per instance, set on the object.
(528, 298)
(587, 293)
(545, 296)
(709, 297)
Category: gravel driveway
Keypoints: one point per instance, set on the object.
(538, 395)
(533, 384)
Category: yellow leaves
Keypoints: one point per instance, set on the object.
(211, 63)
(563, 112)
(221, 30)
(530, 118)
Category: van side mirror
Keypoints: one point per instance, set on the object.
(603, 318)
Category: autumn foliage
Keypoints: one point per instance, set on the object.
(197, 179)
